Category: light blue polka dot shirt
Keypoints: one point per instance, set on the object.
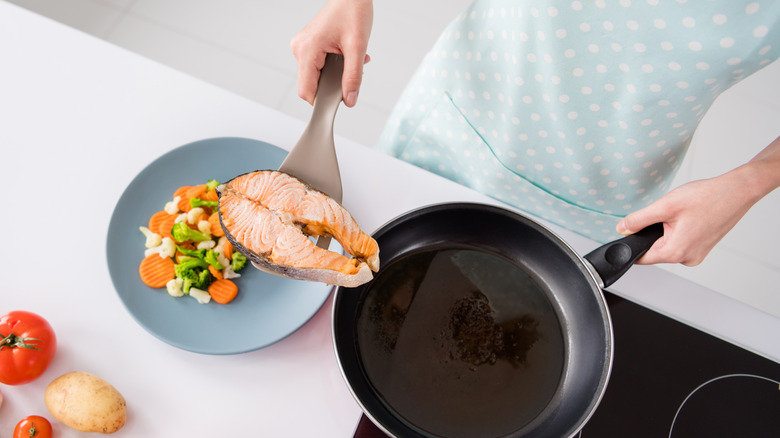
(578, 112)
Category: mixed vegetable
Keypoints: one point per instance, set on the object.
(187, 252)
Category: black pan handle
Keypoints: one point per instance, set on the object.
(613, 259)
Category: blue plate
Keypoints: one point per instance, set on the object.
(267, 309)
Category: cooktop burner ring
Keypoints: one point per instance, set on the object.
(730, 395)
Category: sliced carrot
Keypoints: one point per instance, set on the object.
(215, 272)
(181, 192)
(188, 245)
(216, 227)
(156, 271)
(191, 192)
(227, 250)
(196, 191)
(210, 195)
(202, 217)
(156, 220)
(164, 229)
(223, 291)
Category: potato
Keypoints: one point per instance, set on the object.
(86, 403)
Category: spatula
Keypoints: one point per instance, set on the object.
(313, 159)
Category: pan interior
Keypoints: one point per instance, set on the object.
(460, 341)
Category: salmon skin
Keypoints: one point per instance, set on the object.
(269, 215)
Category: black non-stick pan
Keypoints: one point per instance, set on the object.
(480, 323)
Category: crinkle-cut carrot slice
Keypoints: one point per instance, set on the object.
(156, 220)
(223, 291)
(164, 229)
(156, 271)
(188, 245)
(216, 273)
(227, 250)
(216, 227)
(184, 204)
(210, 195)
(191, 192)
(181, 192)
(196, 191)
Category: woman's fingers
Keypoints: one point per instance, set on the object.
(353, 76)
(309, 75)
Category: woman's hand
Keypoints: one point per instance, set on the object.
(341, 26)
(697, 215)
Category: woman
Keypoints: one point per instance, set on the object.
(577, 112)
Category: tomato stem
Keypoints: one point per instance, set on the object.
(12, 341)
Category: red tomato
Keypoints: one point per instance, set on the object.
(27, 346)
(33, 426)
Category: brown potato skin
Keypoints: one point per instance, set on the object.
(86, 403)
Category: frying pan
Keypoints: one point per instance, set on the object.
(528, 270)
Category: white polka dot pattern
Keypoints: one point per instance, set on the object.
(578, 112)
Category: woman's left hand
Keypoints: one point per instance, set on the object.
(697, 215)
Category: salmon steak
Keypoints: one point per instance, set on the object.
(269, 216)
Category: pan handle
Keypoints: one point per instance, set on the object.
(613, 259)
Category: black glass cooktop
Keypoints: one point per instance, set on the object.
(670, 380)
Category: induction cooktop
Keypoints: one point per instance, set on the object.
(671, 380)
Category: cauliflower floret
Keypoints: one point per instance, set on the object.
(167, 248)
(206, 244)
(202, 296)
(152, 239)
(172, 207)
(229, 273)
(194, 214)
(174, 287)
(222, 259)
(180, 218)
(204, 227)
(220, 248)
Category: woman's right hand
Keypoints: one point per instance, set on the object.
(341, 26)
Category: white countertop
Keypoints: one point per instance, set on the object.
(84, 117)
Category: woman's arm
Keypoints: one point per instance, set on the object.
(697, 215)
(341, 26)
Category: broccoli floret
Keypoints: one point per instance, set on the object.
(238, 261)
(207, 255)
(187, 282)
(211, 184)
(187, 266)
(204, 279)
(198, 253)
(211, 257)
(197, 202)
(194, 272)
(182, 233)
